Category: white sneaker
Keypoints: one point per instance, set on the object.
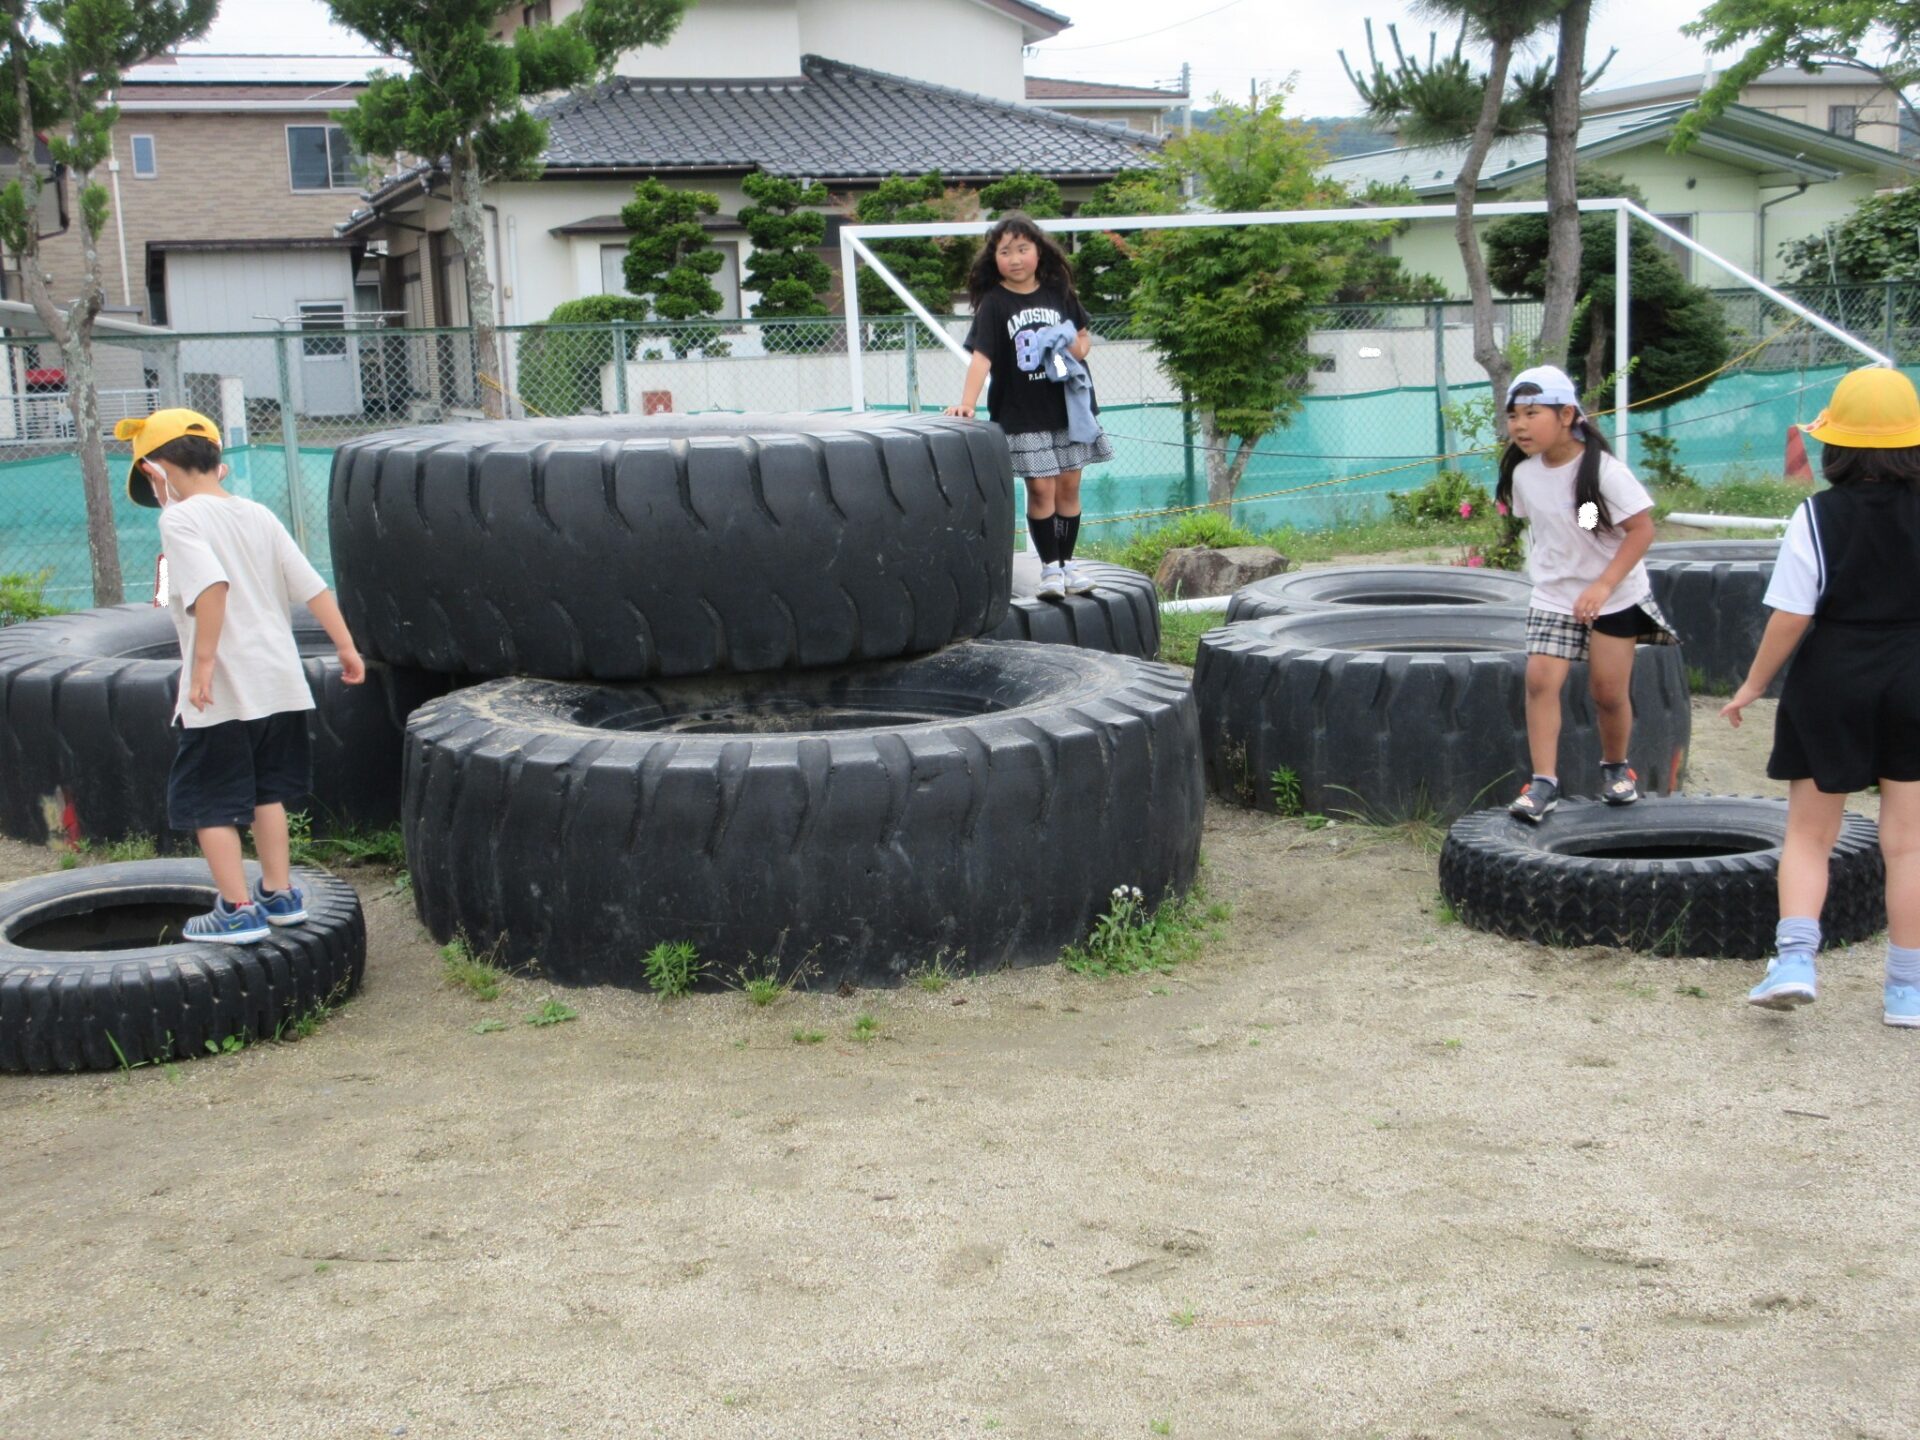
(1053, 582)
(1078, 581)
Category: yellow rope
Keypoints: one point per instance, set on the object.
(507, 394)
(1427, 460)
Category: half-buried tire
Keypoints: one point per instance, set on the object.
(1302, 591)
(86, 739)
(974, 808)
(1387, 714)
(671, 545)
(1680, 875)
(93, 974)
(1714, 592)
(1121, 616)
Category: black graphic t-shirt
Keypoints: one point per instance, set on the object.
(1023, 401)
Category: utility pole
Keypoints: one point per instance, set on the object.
(1186, 105)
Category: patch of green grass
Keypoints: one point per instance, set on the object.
(763, 990)
(1161, 1427)
(303, 1026)
(1183, 1319)
(1131, 939)
(350, 846)
(1700, 683)
(478, 972)
(935, 975)
(1286, 791)
(1692, 992)
(490, 1027)
(804, 1036)
(69, 860)
(133, 847)
(552, 1012)
(865, 1027)
(1180, 632)
(672, 968)
(1210, 529)
(1450, 1043)
(1444, 912)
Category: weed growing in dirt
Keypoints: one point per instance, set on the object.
(167, 1067)
(69, 860)
(803, 1036)
(1699, 683)
(1184, 1319)
(1161, 1427)
(865, 1027)
(1234, 754)
(935, 975)
(552, 1012)
(489, 1027)
(1180, 632)
(1444, 912)
(476, 971)
(763, 989)
(1286, 791)
(672, 968)
(1693, 992)
(232, 1045)
(346, 847)
(1130, 939)
(303, 1025)
(133, 847)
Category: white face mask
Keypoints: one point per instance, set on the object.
(165, 493)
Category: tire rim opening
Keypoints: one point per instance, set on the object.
(776, 714)
(1377, 597)
(137, 922)
(1430, 647)
(1664, 847)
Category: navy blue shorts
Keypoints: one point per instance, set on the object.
(222, 772)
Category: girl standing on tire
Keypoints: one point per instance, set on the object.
(1589, 524)
(1021, 286)
(1849, 713)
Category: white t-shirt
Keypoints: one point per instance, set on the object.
(1563, 559)
(1799, 574)
(256, 667)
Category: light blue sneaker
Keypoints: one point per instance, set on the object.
(1789, 983)
(229, 925)
(283, 907)
(1902, 1006)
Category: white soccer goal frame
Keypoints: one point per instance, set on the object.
(854, 248)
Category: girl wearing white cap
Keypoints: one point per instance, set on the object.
(1589, 524)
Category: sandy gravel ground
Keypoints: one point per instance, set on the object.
(1353, 1172)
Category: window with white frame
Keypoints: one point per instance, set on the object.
(319, 157)
(1843, 119)
(144, 164)
(323, 327)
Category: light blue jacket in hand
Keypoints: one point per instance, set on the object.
(1050, 351)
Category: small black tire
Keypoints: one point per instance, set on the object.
(627, 549)
(1300, 592)
(1714, 592)
(86, 733)
(1386, 714)
(975, 808)
(67, 1007)
(1121, 616)
(1677, 875)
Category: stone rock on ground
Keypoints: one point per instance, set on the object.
(1193, 571)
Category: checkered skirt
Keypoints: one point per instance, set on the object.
(1040, 453)
(1551, 633)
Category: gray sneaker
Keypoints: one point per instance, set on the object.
(1536, 801)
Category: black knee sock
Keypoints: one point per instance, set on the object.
(1066, 532)
(1040, 529)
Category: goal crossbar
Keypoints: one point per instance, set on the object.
(854, 248)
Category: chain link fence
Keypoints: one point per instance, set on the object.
(1387, 386)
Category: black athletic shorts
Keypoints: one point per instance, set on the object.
(222, 772)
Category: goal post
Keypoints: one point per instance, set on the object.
(855, 248)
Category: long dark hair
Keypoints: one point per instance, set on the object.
(1055, 269)
(1586, 484)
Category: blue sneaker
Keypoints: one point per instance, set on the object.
(1902, 1006)
(229, 925)
(281, 907)
(1789, 983)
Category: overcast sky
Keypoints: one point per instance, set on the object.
(1229, 43)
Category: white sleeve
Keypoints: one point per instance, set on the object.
(1622, 490)
(303, 581)
(1799, 575)
(191, 564)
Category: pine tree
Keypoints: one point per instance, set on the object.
(671, 262)
(785, 267)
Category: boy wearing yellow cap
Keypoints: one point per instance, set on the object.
(234, 576)
(1849, 713)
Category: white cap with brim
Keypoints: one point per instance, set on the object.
(1553, 384)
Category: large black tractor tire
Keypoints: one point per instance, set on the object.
(86, 737)
(1713, 591)
(93, 975)
(973, 808)
(1121, 616)
(1299, 592)
(1389, 714)
(1679, 875)
(626, 549)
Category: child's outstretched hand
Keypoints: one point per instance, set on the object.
(352, 668)
(1742, 698)
(965, 412)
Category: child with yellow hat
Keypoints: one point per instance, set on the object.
(1849, 713)
(235, 575)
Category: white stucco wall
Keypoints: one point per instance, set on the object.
(947, 42)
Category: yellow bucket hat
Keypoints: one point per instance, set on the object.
(1872, 409)
(149, 435)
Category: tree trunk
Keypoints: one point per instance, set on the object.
(1492, 357)
(468, 222)
(1223, 474)
(1563, 207)
(1599, 337)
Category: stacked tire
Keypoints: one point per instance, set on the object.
(1714, 591)
(735, 695)
(1121, 616)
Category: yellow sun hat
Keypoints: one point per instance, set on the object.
(148, 434)
(1872, 409)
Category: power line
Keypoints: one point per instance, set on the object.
(1104, 44)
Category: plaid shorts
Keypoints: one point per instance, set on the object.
(1551, 633)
